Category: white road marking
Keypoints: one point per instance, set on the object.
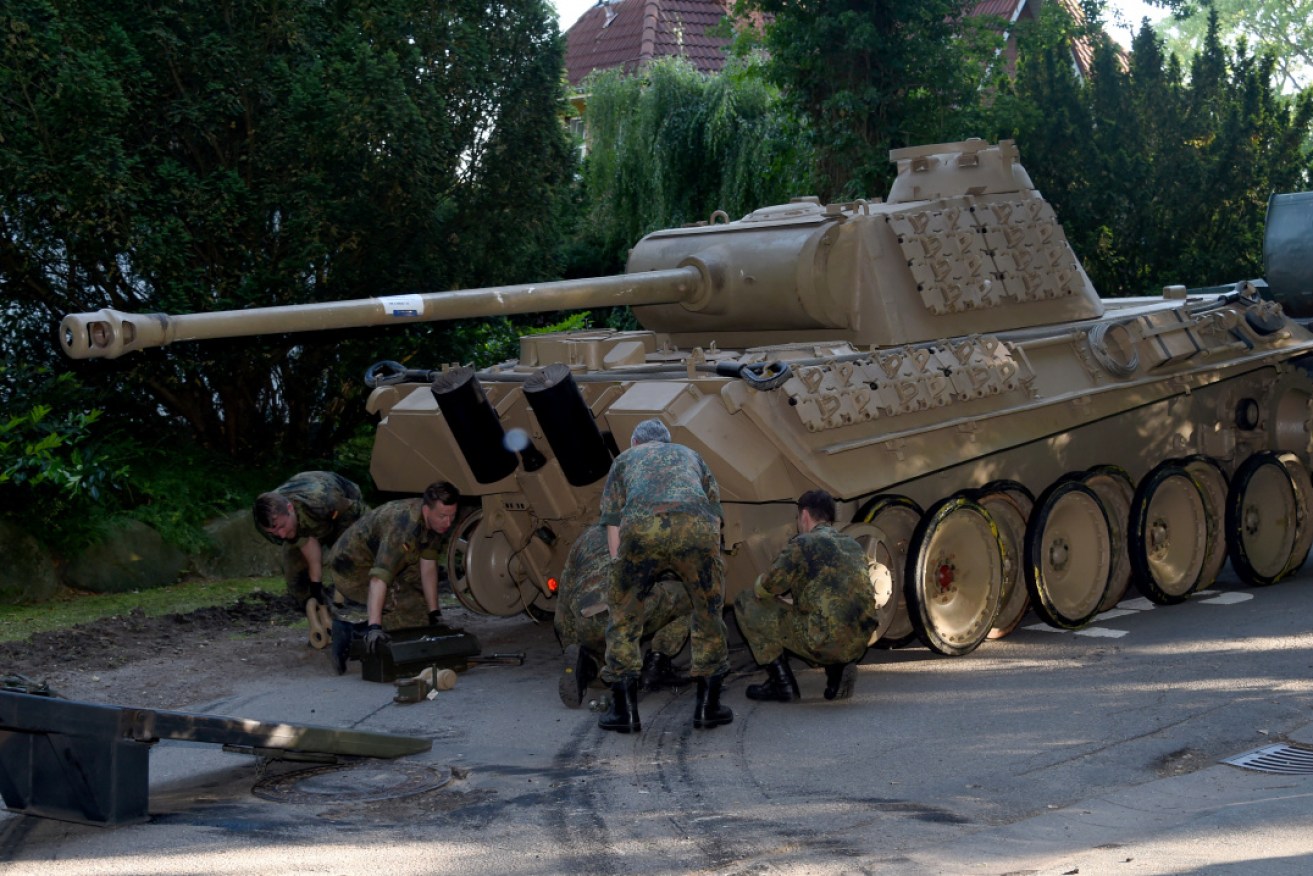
(1230, 598)
(1101, 633)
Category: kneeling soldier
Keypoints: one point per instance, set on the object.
(582, 615)
(832, 614)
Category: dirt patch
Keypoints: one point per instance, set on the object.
(168, 661)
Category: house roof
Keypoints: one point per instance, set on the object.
(628, 33)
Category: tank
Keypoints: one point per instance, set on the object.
(996, 434)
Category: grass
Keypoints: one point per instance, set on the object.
(18, 622)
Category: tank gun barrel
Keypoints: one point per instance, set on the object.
(109, 333)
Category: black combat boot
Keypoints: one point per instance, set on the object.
(780, 685)
(840, 678)
(709, 712)
(579, 670)
(623, 717)
(659, 672)
(340, 648)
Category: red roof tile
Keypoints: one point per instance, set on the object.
(627, 33)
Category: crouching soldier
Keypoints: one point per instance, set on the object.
(832, 614)
(386, 568)
(307, 515)
(582, 615)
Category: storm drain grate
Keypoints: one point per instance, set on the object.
(1275, 759)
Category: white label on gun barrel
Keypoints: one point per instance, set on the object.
(402, 305)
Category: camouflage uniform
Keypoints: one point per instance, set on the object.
(387, 543)
(666, 503)
(326, 504)
(582, 615)
(833, 613)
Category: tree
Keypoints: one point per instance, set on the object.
(1159, 178)
(1282, 27)
(207, 155)
(671, 145)
(870, 77)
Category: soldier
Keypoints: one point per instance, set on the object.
(582, 615)
(306, 516)
(832, 613)
(386, 568)
(661, 508)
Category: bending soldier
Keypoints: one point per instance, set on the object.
(307, 515)
(386, 568)
(582, 615)
(661, 508)
(832, 614)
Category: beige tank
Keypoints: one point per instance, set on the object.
(996, 434)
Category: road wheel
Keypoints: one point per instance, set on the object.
(1115, 489)
(1068, 554)
(1304, 491)
(896, 517)
(879, 560)
(1211, 478)
(1169, 534)
(954, 575)
(1262, 516)
(1009, 509)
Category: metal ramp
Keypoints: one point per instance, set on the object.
(90, 763)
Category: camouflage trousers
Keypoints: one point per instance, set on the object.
(772, 627)
(403, 605)
(665, 618)
(688, 546)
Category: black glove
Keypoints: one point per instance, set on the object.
(375, 638)
(317, 592)
(435, 617)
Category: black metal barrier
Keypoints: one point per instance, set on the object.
(89, 763)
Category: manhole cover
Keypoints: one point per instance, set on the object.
(357, 783)
(1275, 759)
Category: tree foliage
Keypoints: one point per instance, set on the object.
(216, 154)
(672, 145)
(870, 77)
(1283, 28)
(1159, 176)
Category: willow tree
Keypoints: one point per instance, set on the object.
(670, 146)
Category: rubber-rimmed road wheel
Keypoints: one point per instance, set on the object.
(1115, 489)
(1211, 478)
(1068, 554)
(1304, 491)
(1009, 508)
(1262, 515)
(954, 575)
(1169, 534)
(897, 517)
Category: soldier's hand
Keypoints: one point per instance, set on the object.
(317, 592)
(435, 617)
(375, 638)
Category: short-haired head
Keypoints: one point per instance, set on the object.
(651, 430)
(441, 493)
(819, 504)
(269, 507)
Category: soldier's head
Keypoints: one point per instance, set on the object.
(814, 508)
(439, 506)
(648, 431)
(275, 515)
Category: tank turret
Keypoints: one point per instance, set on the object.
(997, 434)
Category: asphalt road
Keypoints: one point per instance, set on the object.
(1047, 752)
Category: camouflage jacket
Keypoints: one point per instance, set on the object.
(587, 571)
(326, 504)
(387, 540)
(828, 575)
(659, 478)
